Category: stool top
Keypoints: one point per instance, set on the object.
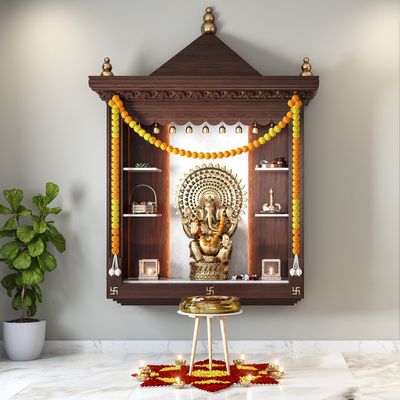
(190, 315)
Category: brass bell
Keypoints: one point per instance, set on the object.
(172, 129)
(238, 129)
(156, 129)
(222, 129)
(189, 129)
(205, 129)
(254, 130)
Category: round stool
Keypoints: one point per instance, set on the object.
(209, 318)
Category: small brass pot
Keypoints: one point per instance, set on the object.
(210, 304)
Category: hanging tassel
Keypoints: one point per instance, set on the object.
(296, 270)
(115, 269)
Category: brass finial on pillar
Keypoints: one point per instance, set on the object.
(208, 25)
(306, 67)
(106, 68)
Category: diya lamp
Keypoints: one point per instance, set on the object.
(144, 372)
(245, 380)
(277, 374)
(144, 369)
(274, 366)
(239, 361)
(179, 383)
(180, 361)
(141, 377)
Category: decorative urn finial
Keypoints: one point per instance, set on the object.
(306, 67)
(106, 68)
(208, 25)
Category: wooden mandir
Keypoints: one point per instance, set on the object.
(205, 82)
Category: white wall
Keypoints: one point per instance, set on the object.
(52, 128)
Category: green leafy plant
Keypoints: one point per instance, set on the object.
(27, 254)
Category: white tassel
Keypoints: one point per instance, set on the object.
(115, 270)
(296, 270)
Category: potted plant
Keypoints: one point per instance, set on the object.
(28, 255)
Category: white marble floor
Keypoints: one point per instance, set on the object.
(318, 376)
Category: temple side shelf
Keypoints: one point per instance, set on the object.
(133, 169)
(142, 215)
(271, 169)
(271, 215)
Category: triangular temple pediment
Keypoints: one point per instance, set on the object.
(209, 56)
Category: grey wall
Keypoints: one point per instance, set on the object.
(52, 128)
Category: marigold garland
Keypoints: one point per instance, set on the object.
(295, 103)
(295, 177)
(115, 215)
(216, 235)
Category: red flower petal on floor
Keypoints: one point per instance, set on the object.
(213, 387)
(154, 382)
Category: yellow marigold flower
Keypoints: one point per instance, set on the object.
(172, 368)
(262, 140)
(206, 373)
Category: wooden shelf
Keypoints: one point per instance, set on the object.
(134, 169)
(271, 215)
(271, 169)
(229, 282)
(142, 215)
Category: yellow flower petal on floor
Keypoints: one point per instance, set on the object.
(207, 373)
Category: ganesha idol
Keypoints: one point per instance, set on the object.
(210, 200)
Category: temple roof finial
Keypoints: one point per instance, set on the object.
(208, 25)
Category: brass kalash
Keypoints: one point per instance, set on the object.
(210, 200)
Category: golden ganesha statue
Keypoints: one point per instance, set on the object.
(210, 200)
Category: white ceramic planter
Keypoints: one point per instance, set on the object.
(23, 341)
